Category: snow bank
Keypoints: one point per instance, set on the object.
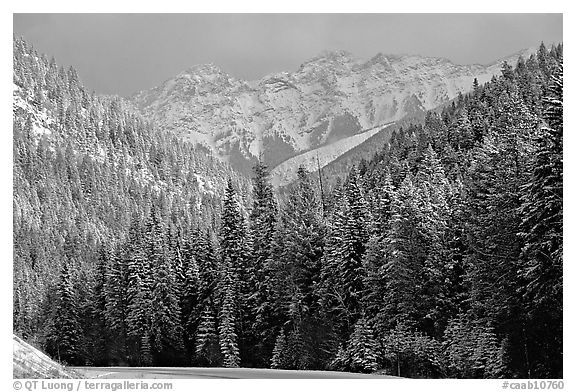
(28, 362)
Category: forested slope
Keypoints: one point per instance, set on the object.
(86, 169)
(459, 272)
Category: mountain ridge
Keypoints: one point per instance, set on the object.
(332, 96)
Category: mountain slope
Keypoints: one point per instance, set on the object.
(285, 172)
(330, 97)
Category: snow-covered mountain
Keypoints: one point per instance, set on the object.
(331, 97)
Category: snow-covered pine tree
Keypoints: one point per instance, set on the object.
(98, 332)
(165, 328)
(116, 288)
(233, 239)
(65, 337)
(374, 281)
(355, 236)
(190, 304)
(329, 288)
(304, 237)
(341, 360)
(139, 289)
(342, 272)
(258, 313)
(278, 360)
(227, 325)
(362, 348)
(471, 349)
(410, 352)
(403, 266)
(295, 264)
(262, 219)
(434, 194)
(207, 344)
(237, 267)
(204, 254)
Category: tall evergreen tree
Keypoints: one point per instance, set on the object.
(342, 271)
(165, 328)
(235, 278)
(262, 222)
(279, 360)
(139, 290)
(65, 338)
(116, 288)
(227, 327)
(362, 348)
(207, 348)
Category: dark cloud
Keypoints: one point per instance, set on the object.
(124, 53)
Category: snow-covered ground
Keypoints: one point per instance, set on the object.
(285, 173)
(29, 362)
(216, 373)
(41, 120)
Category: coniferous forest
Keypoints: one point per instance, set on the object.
(440, 256)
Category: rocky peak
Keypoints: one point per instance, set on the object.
(286, 114)
(336, 60)
(208, 69)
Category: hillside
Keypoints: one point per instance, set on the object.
(29, 362)
(87, 169)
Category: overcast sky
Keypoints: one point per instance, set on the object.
(125, 53)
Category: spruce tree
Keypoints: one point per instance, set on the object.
(204, 254)
(116, 288)
(300, 245)
(376, 248)
(362, 348)
(66, 337)
(471, 349)
(342, 273)
(139, 290)
(233, 239)
(190, 291)
(262, 223)
(165, 327)
(227, 327)
(278, 360)
(353, 246)
(97, 307)
(235, 276)
(207, 344)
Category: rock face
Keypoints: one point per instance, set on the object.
(331, 97)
